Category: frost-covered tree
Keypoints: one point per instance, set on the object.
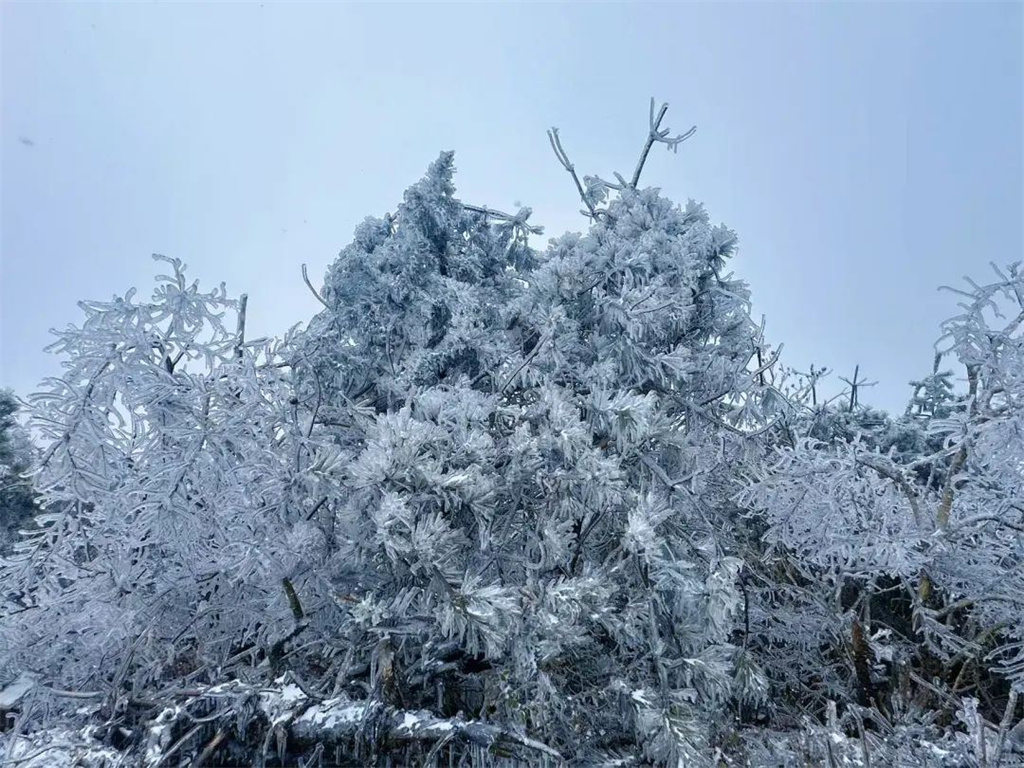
(16, 497)
(933, 395)
(536, 456)
(496, 505)
(169, 498)
(902, 539)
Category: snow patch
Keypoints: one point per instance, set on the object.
(10, 695)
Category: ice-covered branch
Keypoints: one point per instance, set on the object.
(563, 158)
(316, 295)
(307, 721)
(657, 134)
(518, 220)
(338, 720)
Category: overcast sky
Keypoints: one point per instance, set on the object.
(864, 152)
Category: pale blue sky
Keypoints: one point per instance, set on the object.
(864, 152)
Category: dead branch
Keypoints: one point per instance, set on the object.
(563, 158)
(305, 277)
(210, 748)
(659, 135)
(655, 135)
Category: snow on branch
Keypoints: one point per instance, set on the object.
(340, 719)
(517, 220)
(303, 718)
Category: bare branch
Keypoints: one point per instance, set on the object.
(759, 371)
(305, 277)
(855, 386)
(563, 158)
(316, 508)
(657, 134)
(533, 353)
(243, 302)
(210, 748)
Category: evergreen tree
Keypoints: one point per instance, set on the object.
(16, 497)
(536, 475)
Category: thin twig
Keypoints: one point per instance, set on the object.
(1004, 727)
(305, 277)
(243, 302)
(563, 158)
(518, 219)
(177, 745)
(529, 358)
(210, 748)
(316, 508)
(759, 371)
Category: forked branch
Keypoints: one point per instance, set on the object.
(595, 187)
(563, 158)
(660, 135)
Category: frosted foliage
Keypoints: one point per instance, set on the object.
(832, 509)
(911, 526)
(498, 505)
(169, 495)
(528, 476)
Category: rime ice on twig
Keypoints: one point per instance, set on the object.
(659, 135)
(594, 189)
